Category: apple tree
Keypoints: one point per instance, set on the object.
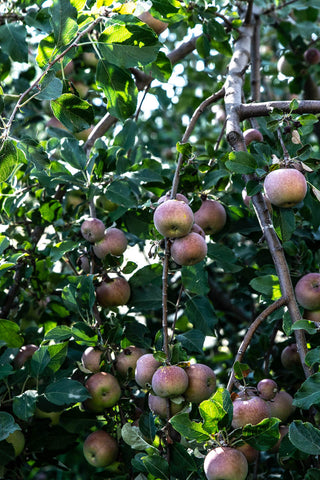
(159, 239)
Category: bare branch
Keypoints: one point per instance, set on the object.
(266, 108)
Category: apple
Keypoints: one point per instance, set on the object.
(307, 291)
(173, 218)
(113, 292)
(197, 229)
(92, 230)
(100, 449)
(283, 430)
(84, 263)
(105, 204)
(290, 357)
(312, 315)
(312, 56)
(158, 405)
(74, 198)
(202, 383)
(189, 250)
(53, 416)
(267, 388)
(169, 381)
(285, 187)
(145, 367)
(211, 216)
(25, 352)
(248, 451)
(179, 196)
(126, 361)
(281, 405)
(252, 135)
(114, 243)
(17, 440)
(249, 410)
(225, 463)
(105, 391)
(91, 359)
(284, 67)
(90, 59)
(157, 25)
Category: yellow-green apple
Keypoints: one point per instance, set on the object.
(169, 381)
(267, 388)
(126, 361)
(211, 216)
(158, 26)
(173, 218)
(17, 440)
(91, 359)
(113, 292)
(225, 463)
(252, 135)
(285, 67)
(189, 250)
(158, 405)
(281, 405)
(312, 56)
(25, 352)
(249, 410)
(285, 187)
(100, 449)
(105, 391)
(307, 291)
(53, 416)
(92, 230)
(114, 243)
(290, 357)
(145, 368)
(202, 383)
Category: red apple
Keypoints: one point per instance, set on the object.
(285, 187)
(91, 359)
(312, 56)
(202, 383)
(158, 405)
(225, 463)
(252, 135)
(114, 243)
(249, 452)
(126, 361)
(267, 388)
(189, 250)
(100, 449)
(17, 440)
(105, 391)
(92, 230)
(281, 406)
(169, 381)
(145, 368)
(173, 218)
(179, 196)
(307, 291)
(249, 410)
(211, 216)
(24, 354)
(113, 292)
(290, 357)
(197, 229)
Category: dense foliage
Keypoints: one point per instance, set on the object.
(100, 117)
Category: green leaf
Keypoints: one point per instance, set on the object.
(74, 113)
(157, 466)
(46, 51)
(285, 224)
(51, 210)
(313, 357)
(241, 162)
(24, 405)
(201, 314)
(51, 87)
(10, 334)
(181, 460)
(309, 393)
(192, 340)
(195, 279)
(13, 41)
(60, 249)
(5, 370)
(224, 257)
(189, 429)
(59, 334)
(267, 285)
(66, 392)
(39, 361)
(83, 334)
(305, 437)
(241, 370)
(147, 425)
(119, 192)
(10, 156)
(4, 243)
(73, 154)
(131, 435)
(119, 89)
(161, 68)
(216, 411)
(7, 425)
(306, 325)
(262, 436)
(63, 21)
(185, 149)
(58, 354)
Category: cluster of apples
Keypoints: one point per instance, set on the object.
(112, 291)
(174, 219)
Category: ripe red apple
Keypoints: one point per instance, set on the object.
(173, 218)
(157, 25)
(312, 56)
(25, 352)
(202, 383)
(290, 357)
(126, 360)
(100, 449)
(252, 135)
(92, 230)
(225, 463)
(281, 406)
(179, 196)
(249, 410)
(105, 391)
(197, 229)
(211, 216)
(158, 405)
(169, 381)
(285, 187)
(113, 292)
(267, 388)
(307, 291)
(17, 440)
(114, 243)
(312, 315)
(189, 250)
(145, 368)
(249, 452)
(91, 359)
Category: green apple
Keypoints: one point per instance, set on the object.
(17, 440)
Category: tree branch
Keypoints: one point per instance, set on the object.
(266, 108)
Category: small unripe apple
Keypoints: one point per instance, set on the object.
(267, 388)
(281, 406)
(169, 381)
(105, 391)
(173, 218)
(290, 357)
(25, 352)
(284, 67)
(179, 196)
(17, 440)
(126, 360)
(211, 216)
(145, 368)
(100, 449)
(158, 405)
(312, 56)
(114, 243)
(285, 187)
(157, 25)
(252, 135)
(250, 410)
(225, 463)
(202, 383)
(307, 291)
(189, 250)
(91, 359)
(92, 230)
(113, 292)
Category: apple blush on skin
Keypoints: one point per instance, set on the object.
(189, 250)
(225, 463)
(145, 368)
(126, 361)
(100, 449)
(202, 383)
(114, 243)
(169, 381)
(249, 410)
(285, 187)
(267, 388)
(158, 405)
(307, 291)
(173, 218)
(113, 293)
(91, 359)
(281, 405)
(92, 230)
(105, 391)
(211, 216)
